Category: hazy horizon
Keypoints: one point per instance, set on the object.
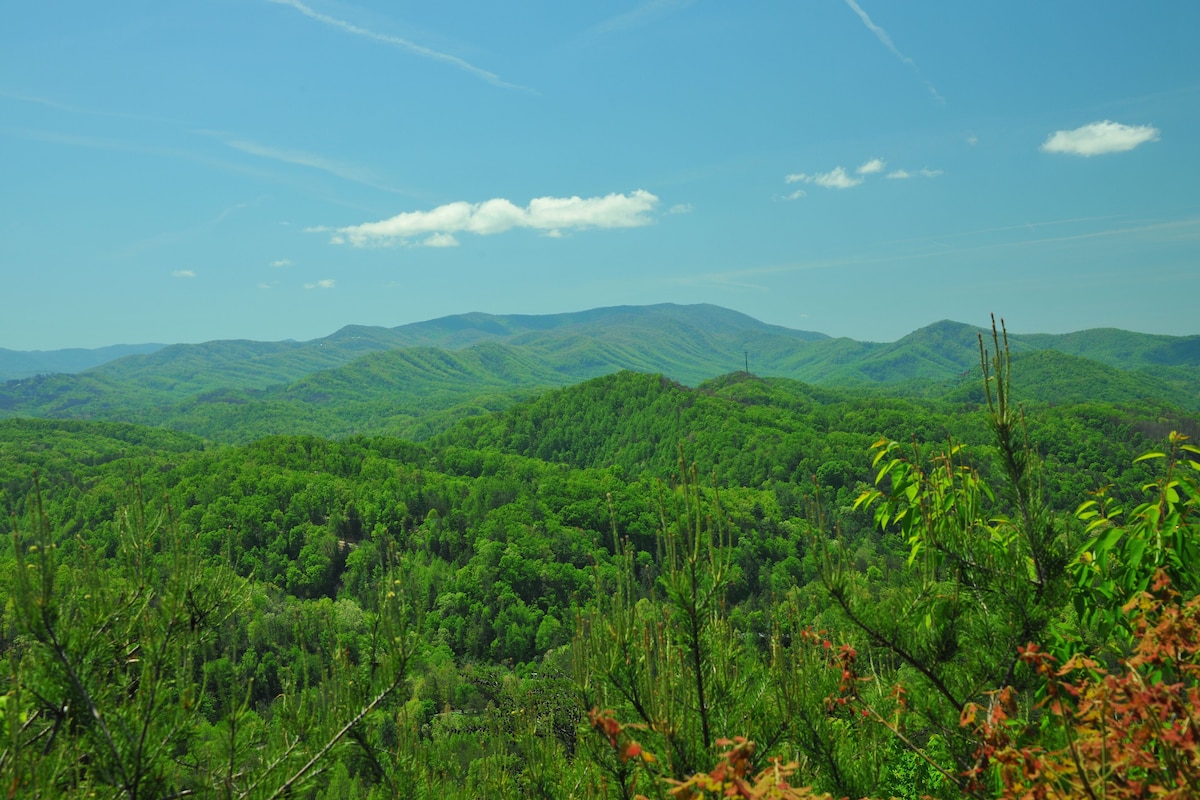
(984, 325)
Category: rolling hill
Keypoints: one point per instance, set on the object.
(417, 379)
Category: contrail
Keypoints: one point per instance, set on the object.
(412, 47)
(641, 15)
(882, 36)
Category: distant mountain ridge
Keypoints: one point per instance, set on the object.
(255, 364)
(15, 364)
(415, 379)
(258, 364)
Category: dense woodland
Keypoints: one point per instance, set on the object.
(755, 587)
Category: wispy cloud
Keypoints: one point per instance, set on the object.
(342, 170)
(1025, 225)
(840, 178)
(71, 109)
(886, 252)
(117, 145)
(837, 178)
(350, 172)
(281, 262)
(175, 238)
(1098, 138)
(327, 283)
(1188, 229)
(301, 158)
(405, 44)
(642, 15)
(883, 37)
(183, 273)
(680, 208)
(549, 214)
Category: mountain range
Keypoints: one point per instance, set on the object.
(415, 380)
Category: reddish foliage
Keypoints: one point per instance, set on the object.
(627, 748)
(1129, 734)
(732, 778)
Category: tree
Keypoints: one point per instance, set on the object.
(671, 659)
(106, 694)
(987, 569)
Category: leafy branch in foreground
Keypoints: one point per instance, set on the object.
(1119, 560)
(991, 578)
(987, 568)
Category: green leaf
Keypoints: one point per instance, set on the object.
(1145, 456)
(879, 457)
(1137, 548)
(1102, 544)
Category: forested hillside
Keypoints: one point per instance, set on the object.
(587, 592)
(418, 380)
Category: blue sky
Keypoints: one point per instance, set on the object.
(271, 169)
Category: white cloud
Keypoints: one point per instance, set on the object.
(796, 195)
(405, 44)
(972, 140)
(183, 273)
(281, 262)
(903, 174)
(834, 179)
(441, 240)
(837, 179)
(322, 284)
(1098, 138)
(499, 215)
(680, 208)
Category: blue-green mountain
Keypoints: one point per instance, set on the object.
(417, 379)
